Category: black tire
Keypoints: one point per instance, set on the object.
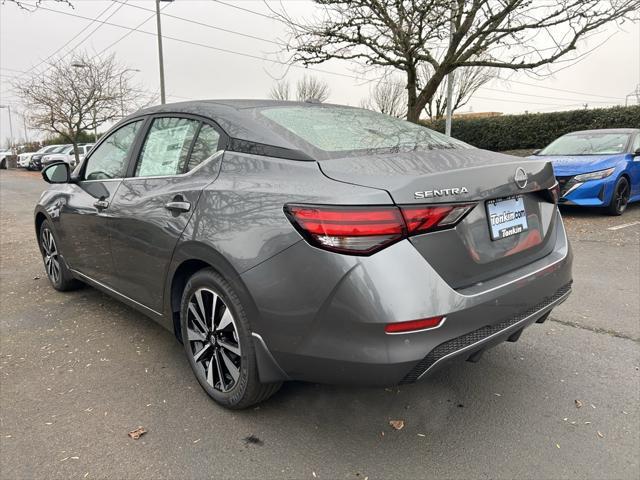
(620, 197)
(56, 268)
(204, 290)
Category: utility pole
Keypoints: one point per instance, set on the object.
(8, 107)
(160, 56)
(24, 124)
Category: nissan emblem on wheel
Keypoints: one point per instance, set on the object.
(307, 241)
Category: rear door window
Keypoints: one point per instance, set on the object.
(206, 144)
(167, 146)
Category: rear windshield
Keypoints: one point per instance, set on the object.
(588, 143)
(344, 131)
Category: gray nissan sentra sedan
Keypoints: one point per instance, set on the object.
(304, 241)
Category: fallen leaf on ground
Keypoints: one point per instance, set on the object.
(558, 445)
(421, 435)
(253, 440)
(578, 403)
(397, 424)
(137, 433)
(600, 434)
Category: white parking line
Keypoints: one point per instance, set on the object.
(624, 225)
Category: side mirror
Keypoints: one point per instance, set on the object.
(536, 152)
(637, 152)
(57, 173)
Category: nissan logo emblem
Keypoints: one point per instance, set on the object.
(521, 177)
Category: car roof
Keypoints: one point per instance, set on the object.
(238, 118)
(607, 130)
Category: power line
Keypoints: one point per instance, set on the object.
(515, 101)
(541, 96)
(73, 38)
(560, 89)
(132, 30)
(246, 10)
(195, 22)
(12, 70)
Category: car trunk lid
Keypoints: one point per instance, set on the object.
(466, 254)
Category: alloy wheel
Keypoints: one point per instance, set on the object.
(213, 339)
(622, 196)
(51, 258)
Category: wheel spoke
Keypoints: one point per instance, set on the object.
(194, 336)
(56, 269)
(196, 317)
(197, 356)
(45, 242)
(210, 372)
(203, 313)
(223, 386)
(228, 346)
(226, 320)
(233, 370)
(214, 308)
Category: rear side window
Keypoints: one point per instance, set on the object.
(109, 160)
(206, 144)
(636, 143)
(166, 148)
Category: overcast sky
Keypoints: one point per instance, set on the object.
(604, 77)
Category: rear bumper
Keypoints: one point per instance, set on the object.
(323, 321)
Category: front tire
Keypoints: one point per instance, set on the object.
(59, 275)
(620, 197)
(217, 340)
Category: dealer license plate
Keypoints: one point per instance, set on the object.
(507, 217)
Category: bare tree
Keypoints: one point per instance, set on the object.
(280, 90)
(33, 6)
(309, 88)
(388, 97)
(79, 95)
(447, 34)
(467, 80)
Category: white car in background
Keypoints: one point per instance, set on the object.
(66, 155)
(25, 158)
(4, 153)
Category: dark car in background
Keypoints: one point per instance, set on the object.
(597, 168)
(302, 241)
(35, 162)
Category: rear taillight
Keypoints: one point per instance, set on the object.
(423, 219)
(357, 230)
(365, 230)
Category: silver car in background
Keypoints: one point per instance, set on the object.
(67, 155)
(303, 241)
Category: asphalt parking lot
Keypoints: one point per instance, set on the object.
(79, 370)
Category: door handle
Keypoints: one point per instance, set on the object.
(178, 206)
(101, 204)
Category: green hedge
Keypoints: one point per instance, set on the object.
(535, 130)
